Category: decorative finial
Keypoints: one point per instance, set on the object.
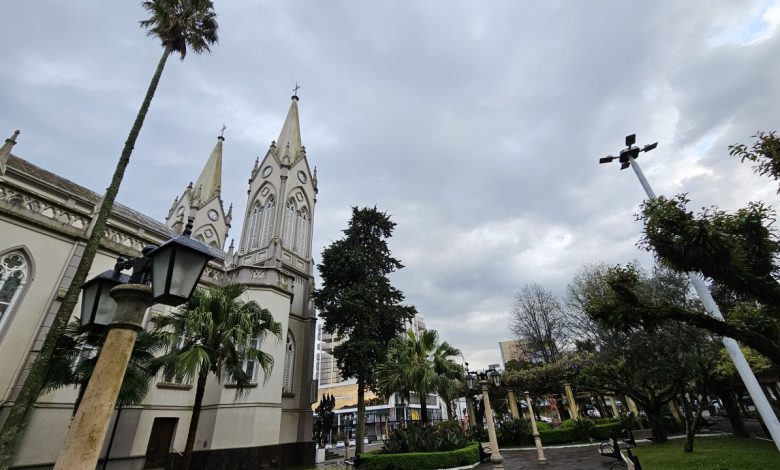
(222, 132)
(188, 228)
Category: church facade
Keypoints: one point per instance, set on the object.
(45, 221)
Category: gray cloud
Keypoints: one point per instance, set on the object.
(476, 125)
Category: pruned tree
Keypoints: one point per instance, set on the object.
(539, 323)
(358, 302)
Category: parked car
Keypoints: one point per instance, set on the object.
(339, 444)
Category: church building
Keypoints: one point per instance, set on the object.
(45, 221)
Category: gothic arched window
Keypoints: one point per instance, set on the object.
(266, 230)
(302, 232)
(289, 225)
(289, 364)
(255, 218)
(14, 274)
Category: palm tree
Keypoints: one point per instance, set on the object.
(75, 356)
(217, 332)
(179, 25)
(419, 364)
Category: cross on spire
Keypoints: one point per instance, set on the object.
(295, 90)
(222, 131)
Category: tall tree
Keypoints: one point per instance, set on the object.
(358, 302)
(215, 332)
(420, 364)
(539, 323)
(180, 25)
(323, 424)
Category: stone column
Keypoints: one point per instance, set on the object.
(495, 453)
(535, 431)
(571, 402)
(513, 404)
(634, 410)
(471, 411)
(87, 432)
(613, 404)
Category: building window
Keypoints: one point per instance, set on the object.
(251, 365)
(302, 232)
(14, 274)
(266, 230)
(289, 364)
(255, 219)
(289, 225)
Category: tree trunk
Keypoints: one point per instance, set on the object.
(199, 391)
(448, 407)
(423, 408)
(655, 417)
(732, 410)
(692, 416)
(361, 418)
(18, 418)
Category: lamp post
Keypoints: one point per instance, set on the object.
(628, 158)
(173, 271)
(485, 379)
(535, 430)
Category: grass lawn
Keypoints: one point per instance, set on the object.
(710, 453)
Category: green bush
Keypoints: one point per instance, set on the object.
(602, 432)
(559, 436)
(514, 432)
(567, 423)
(584, 427)
(421, 460)
(542, 426)
(447, 435)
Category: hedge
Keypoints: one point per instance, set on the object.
(421, 460)
(605, 431)
(559, 436)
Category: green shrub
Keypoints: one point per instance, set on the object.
(584, 427)
(542, 426)
(568, 423)
(421, 460)
(606, 420)
(603, 432)
(559, 436)
(514, 432)
(444, 436)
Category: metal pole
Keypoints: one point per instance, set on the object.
(741, 364)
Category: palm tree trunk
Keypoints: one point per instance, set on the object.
(361, 416)
(14, 426)
(199, 391)
(423, 408)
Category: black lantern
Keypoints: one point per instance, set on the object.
(176, 268)
(471, 381)
(97, 306)
(495, 377)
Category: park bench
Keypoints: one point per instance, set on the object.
(484, 451)
(630, 461)
(610, 449)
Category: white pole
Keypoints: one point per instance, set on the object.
(741, 364)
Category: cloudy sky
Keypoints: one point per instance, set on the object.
(477, 125)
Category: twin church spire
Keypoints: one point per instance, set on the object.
(282, 194)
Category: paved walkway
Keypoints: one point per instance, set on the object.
(569, 458)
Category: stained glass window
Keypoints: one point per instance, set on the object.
(14, 271)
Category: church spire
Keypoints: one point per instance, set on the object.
(289, 142)
(5, 150)
(210, 179)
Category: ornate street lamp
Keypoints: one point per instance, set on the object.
(486, 378)
(173, 271)
(495, 377)
(97, 305)
(471, 381)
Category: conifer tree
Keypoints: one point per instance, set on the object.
(358, 302)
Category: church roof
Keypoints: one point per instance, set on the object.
(289, 142)
(88, 195)
(210, 179)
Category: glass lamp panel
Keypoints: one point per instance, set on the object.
(496, 377)
(160, 265)
(88, 298)
(470, 381)
(106, 307)
(187, 268)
